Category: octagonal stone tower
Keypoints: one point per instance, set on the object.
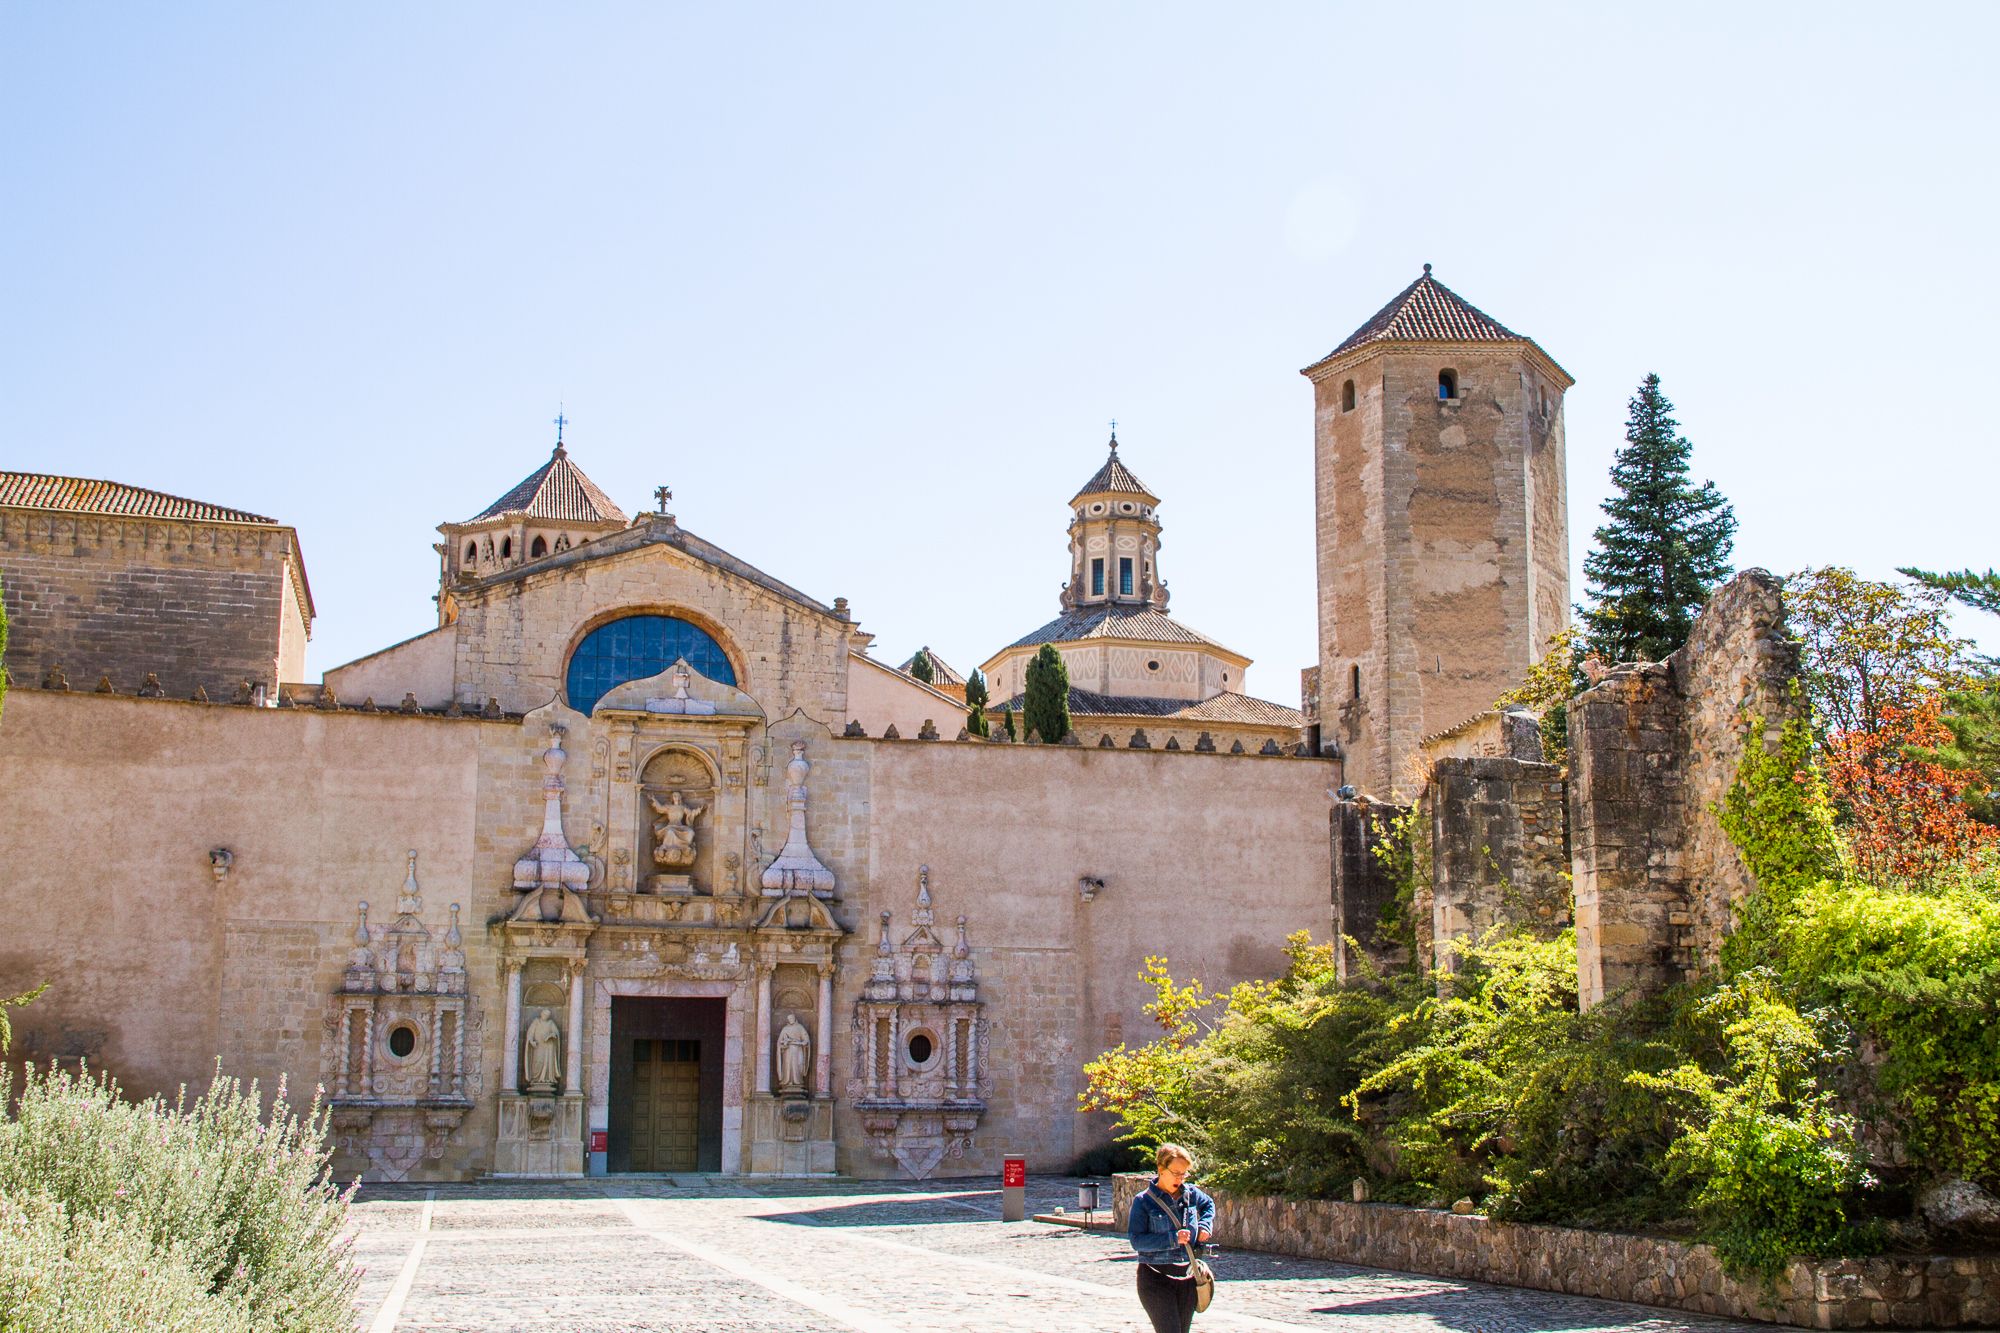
(1443, 537)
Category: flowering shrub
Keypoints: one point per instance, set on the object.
(200, 1216)
(1909, 819)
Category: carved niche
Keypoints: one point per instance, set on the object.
(677, 847)
(401, 1046)
(920, 1044)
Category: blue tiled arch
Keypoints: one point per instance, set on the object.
(635, 647)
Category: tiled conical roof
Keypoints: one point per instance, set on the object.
(558, 491)
(1428, 311)
(1113, 476)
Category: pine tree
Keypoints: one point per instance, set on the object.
(1969, 586)
(1666, 545)
(921, 668)
(975, 697)
(1045, 702)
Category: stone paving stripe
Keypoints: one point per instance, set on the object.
(392, 1304)
(831, 1306)
(1213, 1314)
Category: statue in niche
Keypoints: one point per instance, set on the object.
(673, 831)
(794, 1055)
(543, 1054)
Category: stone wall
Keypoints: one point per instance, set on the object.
(1928, 1292)
(196, 604)
(1654, 747)
(1498, 852)
(1364, 884)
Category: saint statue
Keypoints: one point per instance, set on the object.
(673, 831)
(794, 1055)
(544, 1053)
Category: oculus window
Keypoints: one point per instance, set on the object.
(637, 647)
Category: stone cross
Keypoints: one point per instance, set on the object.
(663, 494)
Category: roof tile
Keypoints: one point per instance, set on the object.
(557, 491)
(1114, 476)
(81, 495)
(1113, 622)
(1224, 707)
(1428, 311)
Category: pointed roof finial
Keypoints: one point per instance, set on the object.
(1114, 435)
(1427, 270)
(560, 422)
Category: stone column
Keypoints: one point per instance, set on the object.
(573, 1075)
(951, 1057)
(868, 1074)
(368, 1051)
(346, 1046)
(510, 1032)
(764, 971)
(823, 1053)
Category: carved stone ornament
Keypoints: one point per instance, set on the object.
(797, 869)
(920, 1045)
(400, 1050)
(551, 877)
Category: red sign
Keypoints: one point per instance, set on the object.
(1013, 1173)
(600, 1140)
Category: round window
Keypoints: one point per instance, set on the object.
(920, 1048)
(1097, 508)
(1152, 666)
(402, 1040)
(1126, 507)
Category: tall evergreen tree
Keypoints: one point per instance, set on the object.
(975, 697)
(1045, 702)
(921, 668)
(1666, 545)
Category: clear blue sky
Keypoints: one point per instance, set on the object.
(864, 283)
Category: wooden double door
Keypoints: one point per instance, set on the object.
(666, 1105)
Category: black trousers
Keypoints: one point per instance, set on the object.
(1168, 1302)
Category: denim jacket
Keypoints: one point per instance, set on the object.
(1152, 1226)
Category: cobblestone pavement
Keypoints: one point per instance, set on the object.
(622, 1255)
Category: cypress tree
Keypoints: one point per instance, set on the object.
(921, 668)
(1045, 702)
(975, 696)
(1007, 723)
(1666, 543)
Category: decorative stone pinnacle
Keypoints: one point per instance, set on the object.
(797, 869)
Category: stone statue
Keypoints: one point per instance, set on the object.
(794, 1055)
(544, 1053)
(673, 831)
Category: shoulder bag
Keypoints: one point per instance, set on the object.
(1198, 1270)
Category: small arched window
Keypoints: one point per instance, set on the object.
(539, 549)
(506, 548)
(471, 552)
(1354, 680)
(1347, 396)
(1447, 384)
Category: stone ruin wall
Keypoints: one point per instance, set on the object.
(1633, 839)
(1654, 748)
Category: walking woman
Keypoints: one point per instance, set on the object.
(1168, 1216)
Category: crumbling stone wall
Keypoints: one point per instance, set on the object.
(1654, 747)
(1364, 885)
(1497, 847)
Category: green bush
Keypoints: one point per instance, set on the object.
(203, 1215)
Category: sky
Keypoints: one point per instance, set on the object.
(865, 284)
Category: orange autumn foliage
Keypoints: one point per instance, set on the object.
(1909, 821)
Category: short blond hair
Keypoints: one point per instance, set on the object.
(1171, 1152)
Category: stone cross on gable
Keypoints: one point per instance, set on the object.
(663, 494)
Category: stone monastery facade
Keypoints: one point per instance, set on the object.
(639, 860)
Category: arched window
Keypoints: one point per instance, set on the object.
(637, 647)
(506, 548)
(1447, 384)
(471, 552)
(539, 549)
(1347, 396)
